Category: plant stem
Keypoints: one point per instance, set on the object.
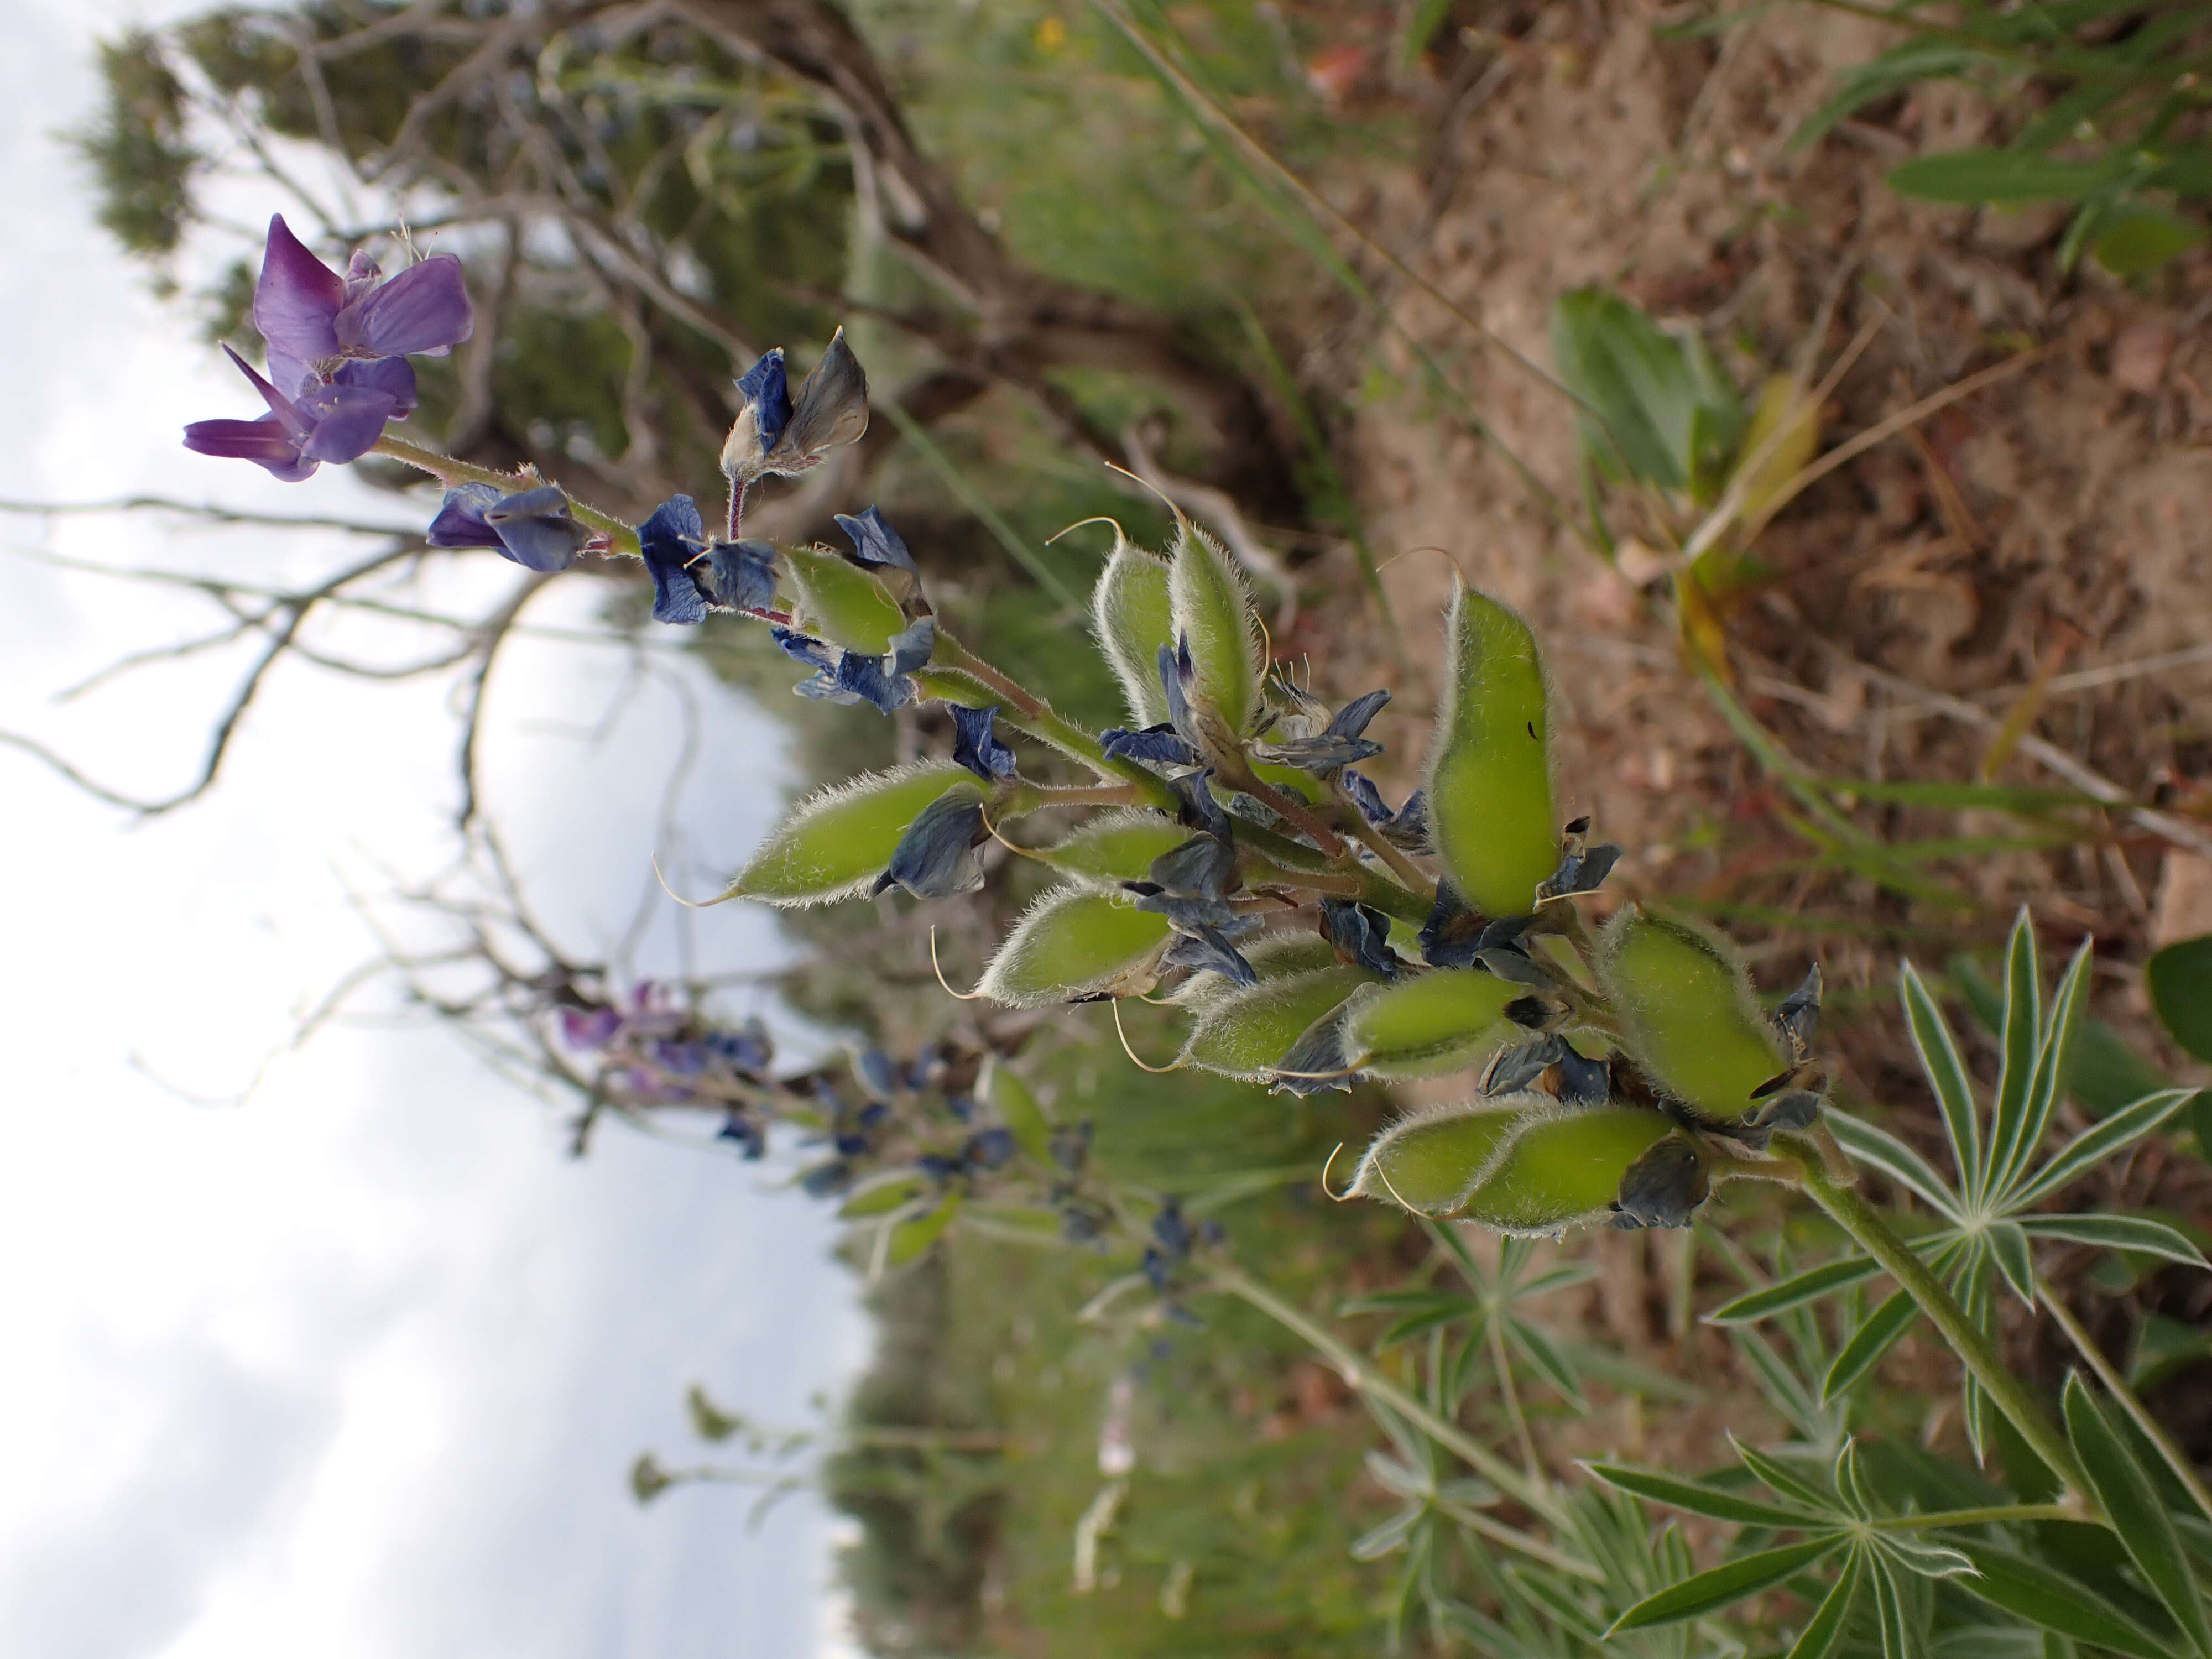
(1356, 1371)
(444, 468)
(1980, 1517)
(2176, 1459)
(1403, 868)
(1873, 1235)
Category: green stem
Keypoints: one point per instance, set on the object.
(450, 471)
(1873, 1235)
(2176, 1459)
(1356, 1371)
(1981, 1517)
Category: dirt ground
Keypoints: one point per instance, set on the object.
(2052, 523)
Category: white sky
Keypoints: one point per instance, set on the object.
(357, 1367)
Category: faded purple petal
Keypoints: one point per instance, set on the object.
(424, 309)
(263, 442)
(537, 529)
(593, 1028)
(461, 520)
(394, 376)
(288, 413)
(348, 421)
(297, 299)
(292, 377)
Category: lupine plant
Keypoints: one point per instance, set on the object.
(1225, 854)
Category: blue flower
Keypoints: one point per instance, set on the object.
(934, 858)
(1177, 672)
(535, 528)
(1580, 870)
(775, 434)
(977, 747)
(1189, 915)
(671, 539)
(1361, 934)
(1453, 933)
(875, 544)
(748, 1049)
(744, 574)
(1316, 1062)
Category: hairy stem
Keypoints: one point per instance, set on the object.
(1981, 1517)
(2176, 1459)
(447, 471)
(1873, 1235)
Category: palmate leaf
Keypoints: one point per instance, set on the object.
(1947, 1072)
(1726, 1584)
(1796, 1291)
(2022, 1022)
(1876, 1335)
(1896, 1634)
(2015, 1133)
(1699, 1499)
(1829, 1620)
(1534, 1345)
(2131, 1506)
(2099, 1142)
(1896, 1160)
(2009, 1249)
(1780, 1479)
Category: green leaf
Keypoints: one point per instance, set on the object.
(2135, 237)
(880, 1196)
(2013, 1142)
(2180, 981)
(1782, 1481)
(1725, 1585)
(1390, 1535)
(1894, 1159)
(2008, 1248)
(1825, 1629)
(1878, 77)
(1131, 613)
(1654, 402)
(1073, 944)
(1114, 847)
(1973, 176)
(839, 841)
(1546, 1357)
(2099, 1142)
(2032, 1591)
(1897, 1641)
(1429, 1163)
(1699, 1499)
(1211, 607)
(1876, 1335)
(1946, 1075)
(1018, 1108)
(1688, 1005)
(1247, 1033)
(909, 1240)
(2117, 1232)
(1490, 767)
(2132, 1509)
(1563, 1167)
(1428, 1025)
(1795, 1291)
(841, 601)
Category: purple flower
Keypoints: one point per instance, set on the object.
(977, 747)
(671, 539)
(314, 319)
(535, 528)
(337, 420)
(776, 434)
(589, 1028)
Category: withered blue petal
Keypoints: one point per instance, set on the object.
(1663, 1186)
(806, 647)
(461, 520)
(537, 529)
(766, 396)
(1177, 672)
(1205, 866)
(1580, 872)
(911, 646)
(1514, 965)
(1367, 798)
(875, 543)
(934, 858)
(976, 746)
(1795, 1110)
(1187, 914)
(1361, 934)
(1316, 1062)
(989, 1149)
(1210, 950)
(832, 409)
(876, 1071)
(1513, 1068)
(1799, 1013)
(1583, 1081)
(1453, 933)
(1199, 809)
(1320, 756)
(1158, 745)
(744, 574)
(1352, 720)
(670, 539)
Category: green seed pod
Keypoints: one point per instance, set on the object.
(841, 601)
(1693, 1022)
(1430, 1023)
(1134, 618)
(1430, 1162)
(1276, 957)
(1114, 847)
(1564, 1168)
(1018, 1108)
(1073, 942)
(1489, 768)
(1246, 1034)
(839, 839)
(1211, 607)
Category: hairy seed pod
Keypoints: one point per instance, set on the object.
(1073, 944)
(839, 841)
